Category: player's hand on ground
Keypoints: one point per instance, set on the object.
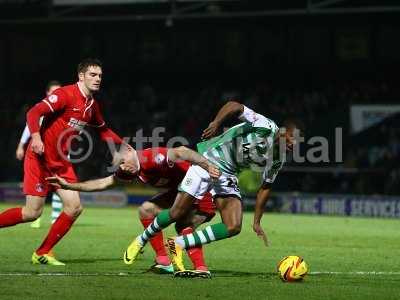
(19, 154)
(260, 233)
(37, 145)
(210, 131)
(58, 182)
(214, 171)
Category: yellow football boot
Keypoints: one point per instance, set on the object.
(176, 253)
(45, 259)
(36, 223)
(132, 252)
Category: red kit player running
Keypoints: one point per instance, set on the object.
(163, 168)
(66, 112)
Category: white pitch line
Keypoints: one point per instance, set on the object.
(356, 273)
(67, 274)
(121, 274)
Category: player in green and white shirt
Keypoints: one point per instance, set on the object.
(252, 143)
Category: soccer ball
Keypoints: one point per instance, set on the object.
(292, 268)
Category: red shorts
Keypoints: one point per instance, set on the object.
(204, 206)
(36, 170)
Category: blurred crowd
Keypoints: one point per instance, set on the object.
(186, 110)
(378, 149)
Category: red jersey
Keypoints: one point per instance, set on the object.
(67, 111)
(157, 170)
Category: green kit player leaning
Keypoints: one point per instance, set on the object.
(253, 143)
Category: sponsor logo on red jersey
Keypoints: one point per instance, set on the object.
(76, 124)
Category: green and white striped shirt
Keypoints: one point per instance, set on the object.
(247, 145)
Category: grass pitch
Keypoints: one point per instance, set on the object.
(349, 258)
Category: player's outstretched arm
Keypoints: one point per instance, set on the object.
(231, 108)
(184, 153)
(261, 200)
(100, 184)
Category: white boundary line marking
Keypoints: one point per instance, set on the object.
(356, 273)
(122, 274)
(68, 274)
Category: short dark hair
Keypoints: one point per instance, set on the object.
(88, 62)
(293, 122)
(52, 83)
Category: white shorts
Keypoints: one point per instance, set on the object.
(197, 182)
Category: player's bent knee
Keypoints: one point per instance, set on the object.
(78, 210)
(30, 214)
(73, 211)
(147, 210)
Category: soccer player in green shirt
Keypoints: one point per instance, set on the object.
(253, 143)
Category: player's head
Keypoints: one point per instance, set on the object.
(126, 159)
(288, 132)
(90, 74)
(52, 86)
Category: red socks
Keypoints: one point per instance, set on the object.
(11, 217)
(195, 254)
(157, 242)
(60, 227)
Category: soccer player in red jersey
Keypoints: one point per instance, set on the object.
(162, 168)
(66, 112)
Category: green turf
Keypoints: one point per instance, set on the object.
(242, 267)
